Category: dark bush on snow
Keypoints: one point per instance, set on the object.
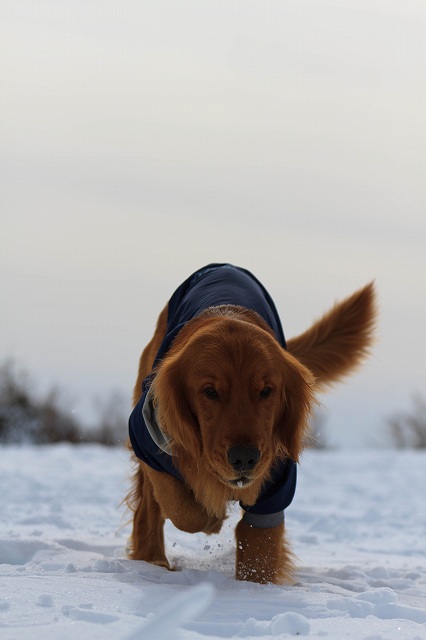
(25, 418)
(408, 430)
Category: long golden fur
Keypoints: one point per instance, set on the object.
(233, 352)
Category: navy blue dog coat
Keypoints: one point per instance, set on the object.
(214, 285)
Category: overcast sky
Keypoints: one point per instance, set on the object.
(141, 140)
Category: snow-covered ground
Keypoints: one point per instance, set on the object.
(358, 526)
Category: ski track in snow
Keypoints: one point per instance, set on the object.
(357, 525)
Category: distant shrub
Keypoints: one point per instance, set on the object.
(408, 430)
(25, 418)
(111, 428)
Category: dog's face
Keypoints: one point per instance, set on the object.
(229, 395)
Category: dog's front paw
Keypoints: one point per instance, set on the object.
(262, 555)
(163, 563)
(214, 525)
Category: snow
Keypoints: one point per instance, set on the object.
(357, 526)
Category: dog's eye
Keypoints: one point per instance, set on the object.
(266, 392)
(211, 392)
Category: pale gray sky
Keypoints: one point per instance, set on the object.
(141, 140)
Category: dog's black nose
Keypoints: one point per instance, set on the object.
(243, 458)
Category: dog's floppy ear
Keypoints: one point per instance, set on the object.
(298, 400)
(172, 409)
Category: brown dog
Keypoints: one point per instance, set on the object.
(221, 410)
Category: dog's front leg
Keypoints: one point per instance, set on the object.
(262, 554)
(147, 539)
(178, 504)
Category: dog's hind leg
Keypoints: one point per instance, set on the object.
(147, 539)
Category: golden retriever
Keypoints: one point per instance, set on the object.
(221, 412)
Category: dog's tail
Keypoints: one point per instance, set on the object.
(340, 340)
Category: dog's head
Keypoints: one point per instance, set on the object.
(232, 398)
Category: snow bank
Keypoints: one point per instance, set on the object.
(357, 524)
